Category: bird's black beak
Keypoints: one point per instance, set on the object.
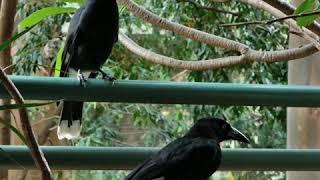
(235, 134)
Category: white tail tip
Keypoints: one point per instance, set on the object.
(71, 132)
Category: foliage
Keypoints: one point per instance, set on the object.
(305, 7)
(156, 125)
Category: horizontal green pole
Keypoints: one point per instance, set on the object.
(124, 158)
(163, 92)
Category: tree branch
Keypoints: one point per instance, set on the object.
(309, 35)
(183, 30)
(36, 152)
(294, 16)
(250, 56)
(288, 9)
(176, 63)
(7, 14)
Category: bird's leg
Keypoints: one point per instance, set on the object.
(107, 76)
(81, 78)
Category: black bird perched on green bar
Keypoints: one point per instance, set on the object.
(195, 156)
(92, 33)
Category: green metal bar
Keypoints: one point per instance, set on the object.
(124, 158)
(49, 88)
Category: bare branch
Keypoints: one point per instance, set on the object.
(183, 30)
(176, 63)
(250, 56)
(272, 20)
(26, 127)
(7, 13)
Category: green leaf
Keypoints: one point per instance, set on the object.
(15, 130)
(80, 2)
(25, 105)
(7, 42)
(305, 7)
(41, 14)
(57, 68)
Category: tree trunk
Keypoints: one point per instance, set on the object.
(303, 124)
(7, 14)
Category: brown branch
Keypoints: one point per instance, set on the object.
(266, 22)
(182, 30)
(199, 6)
(250, 56)
(288, 9)
(176, 63)
(7, 13)
(217, 41)
(36, 152)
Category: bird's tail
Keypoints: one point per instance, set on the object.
(70, 120)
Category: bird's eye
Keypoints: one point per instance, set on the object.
(224, 126)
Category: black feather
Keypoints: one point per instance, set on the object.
(92, 33)
(196, 156)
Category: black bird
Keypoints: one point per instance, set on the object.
(195, 156)
(92, 33)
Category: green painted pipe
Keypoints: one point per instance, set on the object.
(124, 158)
(49, 88)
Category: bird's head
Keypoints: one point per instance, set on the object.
(218, 129)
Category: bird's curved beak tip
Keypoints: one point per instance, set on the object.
(235, 134)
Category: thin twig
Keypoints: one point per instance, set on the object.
(288, 9)
(36, 152)
(265, 22)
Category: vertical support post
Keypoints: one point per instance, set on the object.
(7, 14)
(303, 123)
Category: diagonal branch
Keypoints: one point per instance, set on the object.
(26, 127)
(183, 30)
(7, 14)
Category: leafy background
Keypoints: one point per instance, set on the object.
(122, 124)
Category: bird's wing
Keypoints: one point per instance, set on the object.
(173, 156)
(71, 41)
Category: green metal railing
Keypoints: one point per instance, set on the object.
(48, 88)
(122, 158)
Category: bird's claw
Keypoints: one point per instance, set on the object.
(82, 79)
(108, 77)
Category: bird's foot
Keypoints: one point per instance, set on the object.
(107, 76)
(82, 79)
